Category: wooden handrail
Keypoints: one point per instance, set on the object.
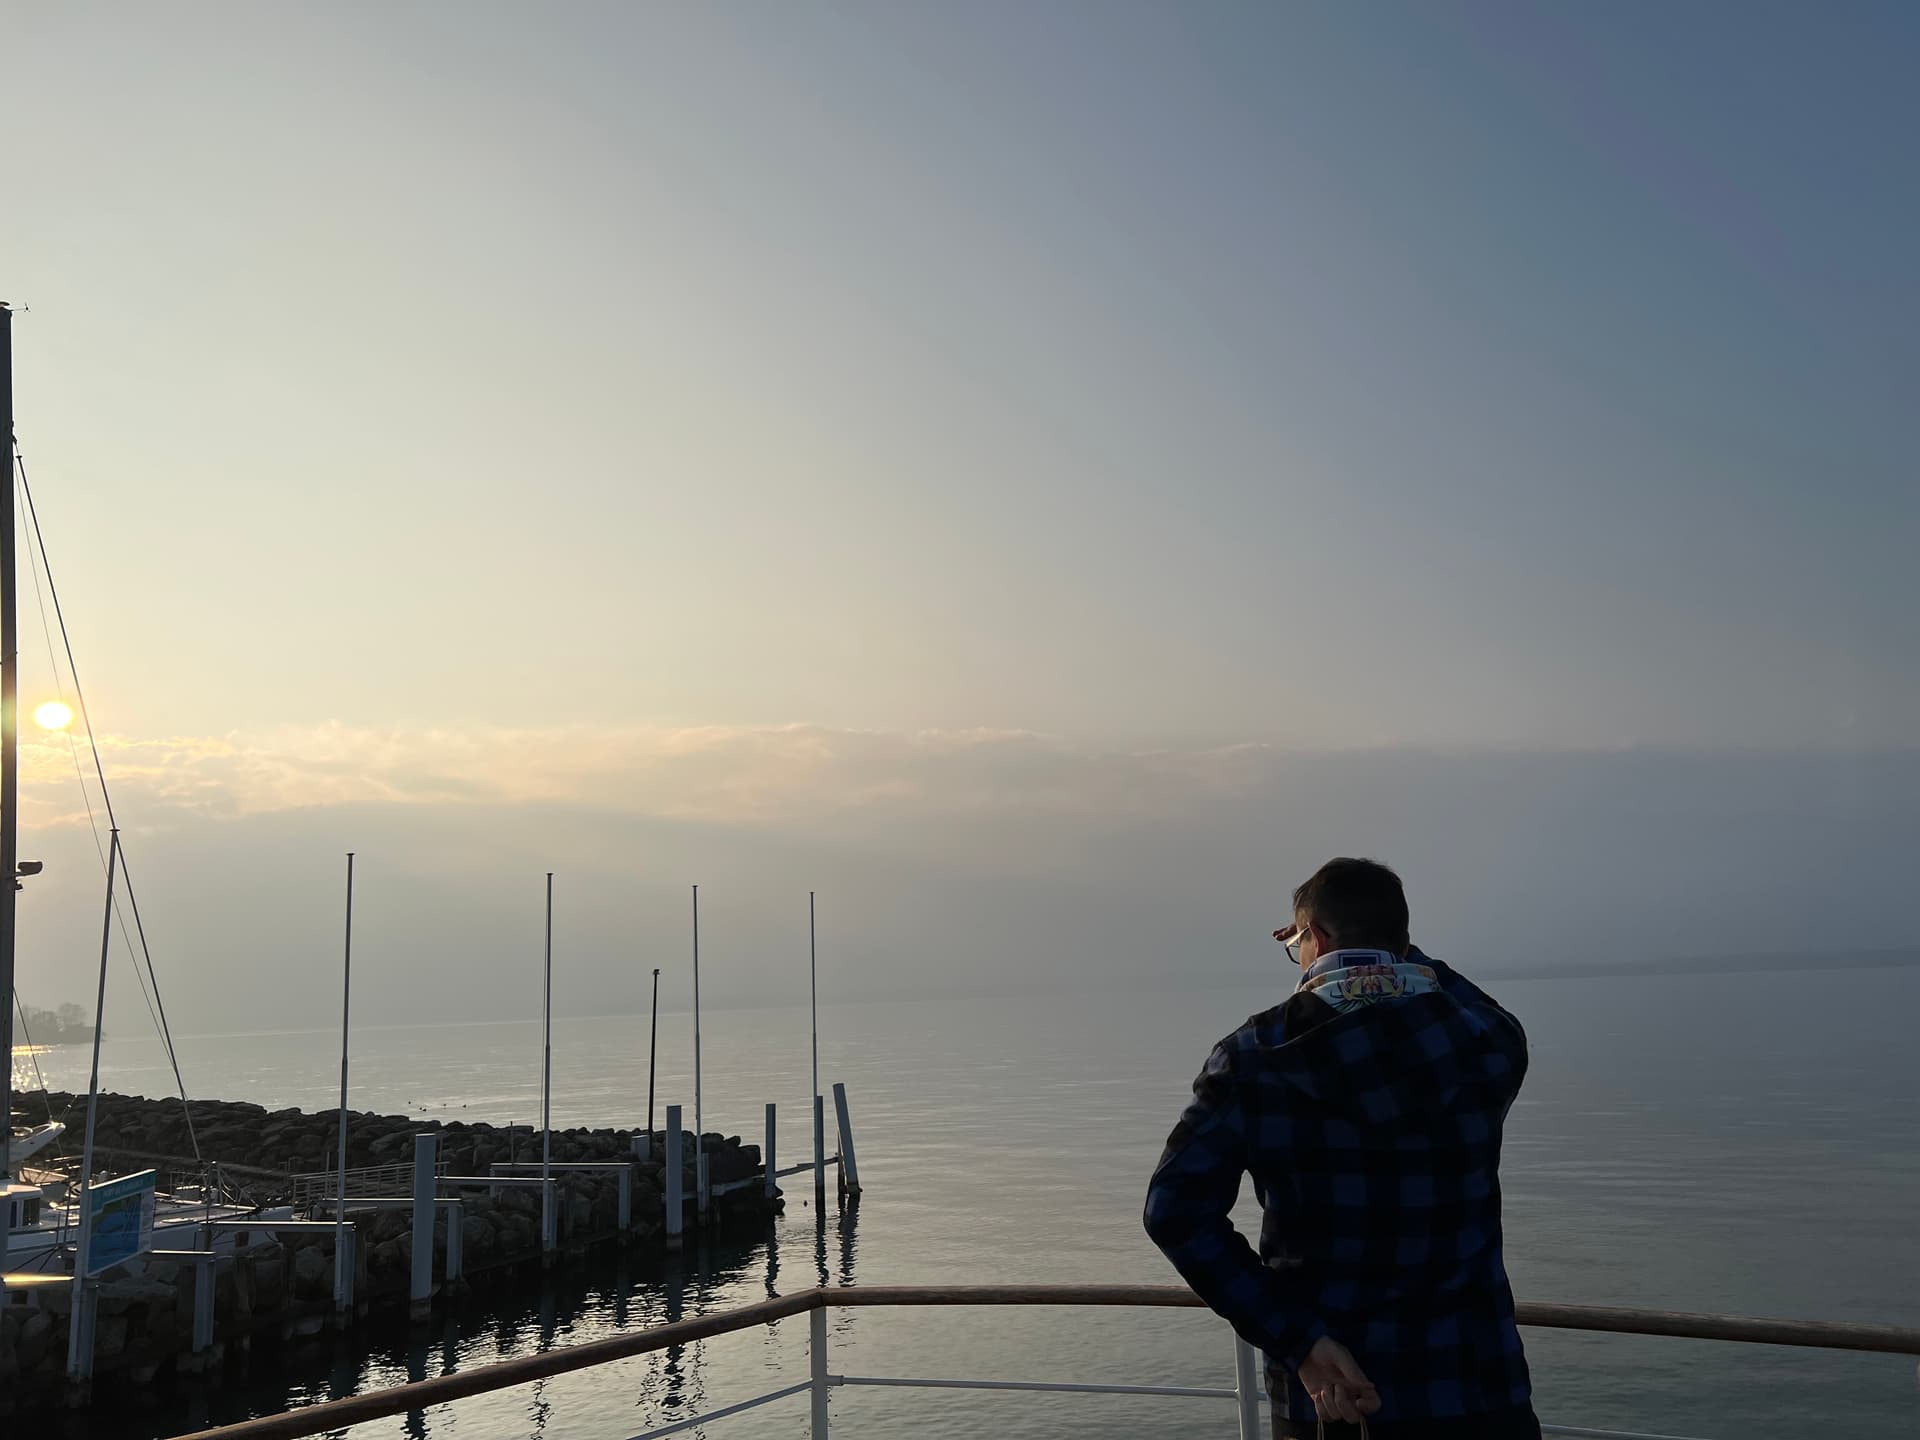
(395, 1400)
(1746, 1329)
(504, 1374)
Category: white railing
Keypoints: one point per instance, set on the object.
(308, 1190)
(821, 1381)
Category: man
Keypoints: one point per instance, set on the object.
(1368, 1109)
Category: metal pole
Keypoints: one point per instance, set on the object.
(75, 1335)
(819, 1103)
(813, 987)
(9, 760)
(699, 1119)
(653, 1050)
(546, 1090)
(818, 1421)
(342, 1274)
(1246, 1388)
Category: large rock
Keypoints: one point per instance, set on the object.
(312, 1273)
(477, 1235)
(578, 1215)
(109, 1336)
(120, 1296)
(36, 1335)
(269, 1265)
(165, 1326)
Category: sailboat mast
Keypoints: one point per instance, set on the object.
(546, 1087)
(9, 760)
(342, 1277)
(699, 1121)
(84, 1259)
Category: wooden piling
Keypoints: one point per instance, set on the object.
(819, 1150)
(849, 1171)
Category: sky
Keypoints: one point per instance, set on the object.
(1042, 475)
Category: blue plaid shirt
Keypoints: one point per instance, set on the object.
(1373, 1140)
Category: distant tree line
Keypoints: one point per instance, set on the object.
(64, 1026)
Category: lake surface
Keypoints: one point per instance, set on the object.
(1728, 1142)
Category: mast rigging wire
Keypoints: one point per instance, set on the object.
(86, 794)
(106, 798)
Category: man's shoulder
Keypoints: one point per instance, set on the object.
(1471, 997)
(1257, 1032)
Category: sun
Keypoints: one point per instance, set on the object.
(54, 715)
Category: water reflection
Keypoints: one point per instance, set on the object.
(848, 1226)
(609, 1293)
(416, 1420)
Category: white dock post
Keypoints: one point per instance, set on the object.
(425, 1149)
(676, 1185)
(345, 1243)
(819, 1150)
(456, 1238)
(817, 1358)
(549, 1221)
(849, 1171)
(702, 1191)
(204, 1277)
(625, 1174)
(1246, 1388)
(81, 1315)
(772, 1184)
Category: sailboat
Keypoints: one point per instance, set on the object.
(40, 1203)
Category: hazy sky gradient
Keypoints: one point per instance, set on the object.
(751, 425)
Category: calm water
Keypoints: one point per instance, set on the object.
(1742, 1143)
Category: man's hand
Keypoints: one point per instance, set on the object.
(1340, 1389)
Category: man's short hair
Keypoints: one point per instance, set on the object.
(1359, 903)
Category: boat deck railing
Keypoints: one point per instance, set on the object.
(335, 1415)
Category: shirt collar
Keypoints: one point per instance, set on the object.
(1342, 959)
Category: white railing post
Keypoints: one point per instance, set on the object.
(849, 1171)
(817, 1358)
(1246, 1387)
(204, 1276)
(425, 1148)
(549, 1220)
(456, 1237)
(625, 1177)
(772, 1184)
(676, 1184)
